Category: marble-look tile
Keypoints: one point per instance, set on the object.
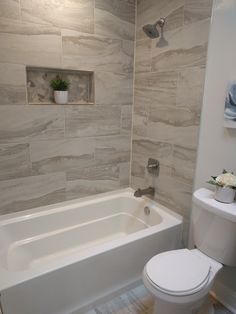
(12, 84)
(112, 149)
(149, 11)
(184, 161)
(168, 95)
(175, 19)
(140, 122)
(124, 175)
(82, 188)
(169, 57)
(155, 89)
(195, 11)
(126, 119)
(190, 88)
(172, 134)
(138, 169)
(25, 123)
(10, 9)
(66, 155)
(140, 114)
(140, 107)
(173, 116)
(196, 34)
(124, 9)
(113, 88)
(93, 52)
(14, 161)
(95, 172)
(30, 44)
(139, 182)
(86, 121)
(187, 47)
(139, 166)
(150, 148)
(115, 18)
(164, 82)
(140, 175)
(30, 192)
(143, 55)
(14, 74)
(15, 27)
(76, 15)
(174, 194)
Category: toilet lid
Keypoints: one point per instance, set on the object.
(178, 272)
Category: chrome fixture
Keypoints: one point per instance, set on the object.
(149, 191)
(153, 166)
(151, 29)
(147, 211)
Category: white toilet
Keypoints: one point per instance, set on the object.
(181, 279)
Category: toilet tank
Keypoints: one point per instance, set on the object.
(214, 227)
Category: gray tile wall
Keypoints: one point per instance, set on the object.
(168, 94)
(53, 153)
(50, 153)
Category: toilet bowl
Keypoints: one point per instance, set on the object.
(180, 280)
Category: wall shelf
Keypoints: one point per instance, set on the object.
(81, 89)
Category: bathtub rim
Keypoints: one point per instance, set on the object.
(12, 278)
(47, 209)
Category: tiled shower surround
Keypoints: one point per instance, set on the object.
(169, 81)
(50, 153)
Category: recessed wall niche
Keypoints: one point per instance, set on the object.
(81, 89)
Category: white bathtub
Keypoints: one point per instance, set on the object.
(59, 258)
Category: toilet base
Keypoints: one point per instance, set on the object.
(207, 307)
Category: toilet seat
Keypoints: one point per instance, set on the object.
(178, 272)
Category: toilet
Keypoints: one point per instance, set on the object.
(180, 280)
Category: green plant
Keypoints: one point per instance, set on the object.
(59, 84)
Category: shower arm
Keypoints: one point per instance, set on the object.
(161, 22)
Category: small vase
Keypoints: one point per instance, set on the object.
(224, 194)
(61, 97)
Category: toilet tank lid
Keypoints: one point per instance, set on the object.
(205, 199)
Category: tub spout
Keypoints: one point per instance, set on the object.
(149, 191)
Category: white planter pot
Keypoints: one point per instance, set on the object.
(224, 194)
(61, 97)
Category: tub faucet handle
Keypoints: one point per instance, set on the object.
(153, 166)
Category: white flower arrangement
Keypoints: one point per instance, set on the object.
(226, 179)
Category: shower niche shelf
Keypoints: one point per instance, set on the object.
(80, 92)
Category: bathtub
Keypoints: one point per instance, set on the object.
(57, 259)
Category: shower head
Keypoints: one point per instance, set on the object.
(151, 29)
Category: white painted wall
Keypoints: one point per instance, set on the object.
(217, 145)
